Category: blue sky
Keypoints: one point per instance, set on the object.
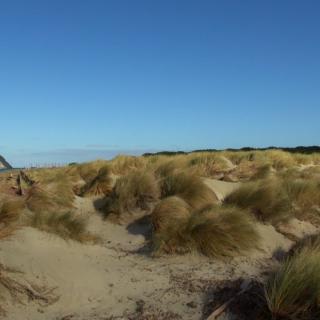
(87, 79)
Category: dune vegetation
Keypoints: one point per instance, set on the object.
(219, 205)
(215, 231)
(293, 291)
(137, 190)
(66, 225)
(266, 199)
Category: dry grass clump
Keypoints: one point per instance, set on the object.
(137, 190)
(57, 196)
(101, 184)
(38, 200)
(169, 165)
(190, 188)
(208, 164)
(62, 193)
(305, 195)
(122, 164)
(280, 159)
(45, 175)
(293, 291)
(215, 231)
(86, 171)
(302, 159)
(170, 213)
(65, 225)
(267, 199)
(10, 210)
(249, 170)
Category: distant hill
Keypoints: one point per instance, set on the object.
(299, 149)
(4, 164)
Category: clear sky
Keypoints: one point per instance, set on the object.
(87, 79)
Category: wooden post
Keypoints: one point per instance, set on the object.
(20, 190)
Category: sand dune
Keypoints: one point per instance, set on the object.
(117, 278)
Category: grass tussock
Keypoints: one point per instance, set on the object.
(38, 199)
(267, 199)
(215, 231)
(208, 164)
(168, 166)
(55, 195)
(10, 211)
(305, 197)
(169, 213)
(190, 188)
(249, 170)
(293, 291)
(135, 191)
(123, 165)
(101, 184)
(310, 241)
(64, 225)
(280, 159)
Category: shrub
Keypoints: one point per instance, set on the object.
(215, 231)
(190, 188)
(65, 225)
(293, 291)
(137, 190)
(267, 199)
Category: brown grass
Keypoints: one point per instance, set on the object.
(170, 212)
(135, 191)
(10, 211)
(305, 195)
(267, 199)
(215, 231)
(293, 291)
(65, 225)
(190, 188)
(101, 184)
(207, 164)
(38, 199)
(123, 165)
